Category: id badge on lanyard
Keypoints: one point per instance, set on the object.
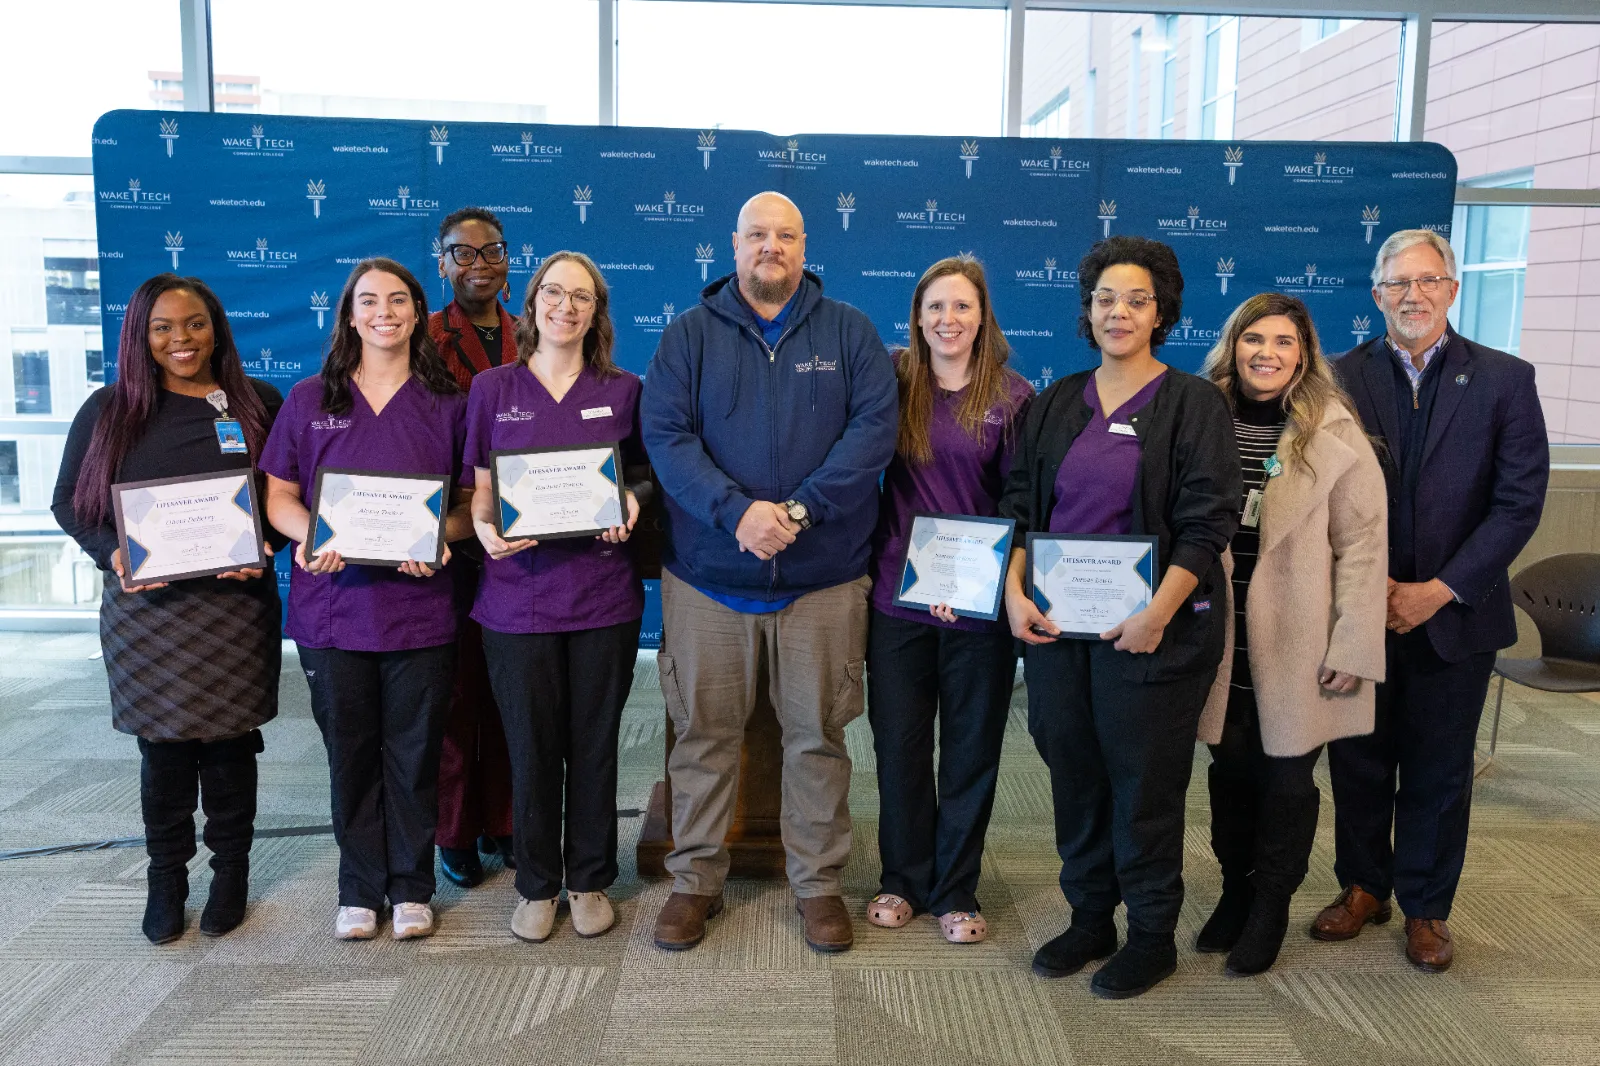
(230, 434)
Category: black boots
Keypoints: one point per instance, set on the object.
(1222, 929)
(176, 777)
(1088, 938)
(1258, 943)
(1145, 961)
(462, 866)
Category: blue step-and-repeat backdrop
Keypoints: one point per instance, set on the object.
(273, 211)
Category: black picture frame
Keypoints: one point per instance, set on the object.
(261, 561)
(993, 614)
(500, 523)
(446, 488)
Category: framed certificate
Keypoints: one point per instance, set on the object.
(1087, 583)
(956, 560)
(550, 493)
(376, 518)
(195, 526)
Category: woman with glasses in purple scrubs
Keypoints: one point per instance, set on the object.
(377, 644)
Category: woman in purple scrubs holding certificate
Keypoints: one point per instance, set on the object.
(560, 616)
(959, 403)
(377, 642)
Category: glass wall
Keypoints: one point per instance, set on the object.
(810, 68)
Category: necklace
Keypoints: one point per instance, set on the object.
(487, 331)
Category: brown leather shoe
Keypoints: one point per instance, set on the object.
(1344, 917)
(827, 923)
(682, 922)
(1428, 944)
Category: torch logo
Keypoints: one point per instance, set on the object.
(1233, 159)
(258, 132)
(847, 207)
(1360, 327)
(1194, 216)
(667, 310)
(439, 137)
(705, 255)
(1369, 219)
(174, 245)
(581, 199)
(969, 154)
(1055, 157)
(708, 144)
(319, 304)
(527, 143)
(133, 189)
(1311, 274)
(266, 360)
(1225, 271)
(316, 193)
(1320, 160)
(1045, 374)
(669, 198)
(403, 193)
(169, 133)
(1108, 215)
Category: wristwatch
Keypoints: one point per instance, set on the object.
(797, 513)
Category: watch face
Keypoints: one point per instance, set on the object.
(797, 511)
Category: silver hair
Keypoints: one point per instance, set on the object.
(1400, 240)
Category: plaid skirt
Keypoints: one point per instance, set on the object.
(197, 660)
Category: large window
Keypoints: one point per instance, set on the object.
(1052, 120)
(1169, 77)
(1220, 78)
(810, 68)
(471, 60)
(1491, 244)
(30, 373)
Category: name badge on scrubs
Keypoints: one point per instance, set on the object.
(1123, 428)
(596, 412)
(230, 436)
(1252, 508)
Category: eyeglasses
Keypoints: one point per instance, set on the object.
(1428, 285)
(466, 254)
(582, 299)
(1137, 300)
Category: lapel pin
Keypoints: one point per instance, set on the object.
(1461, 379)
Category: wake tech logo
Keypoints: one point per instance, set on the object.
(930, 217)
(261, 257)
(402, 204)
(791, 157)
(1319, 171)
(526, 151)
(259, 144)
(1309, 282)
(668, 210)
(137, 198)
(1184, 334)
(655, 323)
(1055, 165)
(1191, 224)
(1049, 277)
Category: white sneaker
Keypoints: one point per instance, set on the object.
(412, 920)
(356, 923)
(533, 919)
(591, 913)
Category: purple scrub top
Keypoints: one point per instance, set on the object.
(1094, 486)
(559, 585)
(964, 478)
(368, 608)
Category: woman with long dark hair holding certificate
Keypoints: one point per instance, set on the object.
(1132, 450)
(959, 405)
(551, 440)
(362, 461)
(193, 663)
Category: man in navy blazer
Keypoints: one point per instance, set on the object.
(1466, 460)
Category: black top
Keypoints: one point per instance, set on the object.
(1258, 426)
(1186, 495)
(491, 338)
(181, 440)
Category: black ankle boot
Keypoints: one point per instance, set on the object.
(1143, 963)
(1083, 942)
(163, 907)
(508, 852)
(1222, 929)
(225, 905)
(1262, 937)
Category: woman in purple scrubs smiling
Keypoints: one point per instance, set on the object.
(377, 644)
(560, 618)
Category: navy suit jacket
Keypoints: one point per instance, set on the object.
(1485, 465)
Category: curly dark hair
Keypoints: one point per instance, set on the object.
(1160, 260)
(469, 214)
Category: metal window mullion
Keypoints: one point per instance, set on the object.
(1411, 87)
(199, 83)
(607, 45)
(1016, 37)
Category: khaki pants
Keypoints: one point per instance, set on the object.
(711, 655)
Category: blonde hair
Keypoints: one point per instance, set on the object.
(1311, 390)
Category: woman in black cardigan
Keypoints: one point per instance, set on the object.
(193, 664)
(1132, 447)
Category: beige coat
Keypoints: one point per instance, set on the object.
(1317, 596)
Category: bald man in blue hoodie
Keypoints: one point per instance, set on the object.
(769, 412)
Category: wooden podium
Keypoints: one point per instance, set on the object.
(753, 838)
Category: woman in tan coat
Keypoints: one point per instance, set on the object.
(1306, 621)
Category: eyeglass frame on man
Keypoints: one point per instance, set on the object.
(582, 299)
(1400, 287)
(452, 249)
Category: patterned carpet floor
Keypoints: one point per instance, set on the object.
(79, 984)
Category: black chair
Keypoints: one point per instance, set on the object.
(1562, 596)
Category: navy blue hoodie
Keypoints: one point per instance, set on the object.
(728, 421)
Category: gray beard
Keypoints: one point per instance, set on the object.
(768, 292)
(1400, 327)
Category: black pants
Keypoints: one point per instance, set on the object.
(382, 715)
(1263, 809)
(931, 838)
(1426, 728)
(219, 776)
(1120, 754)
(560, 697)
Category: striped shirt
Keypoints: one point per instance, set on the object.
(1258, 426)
